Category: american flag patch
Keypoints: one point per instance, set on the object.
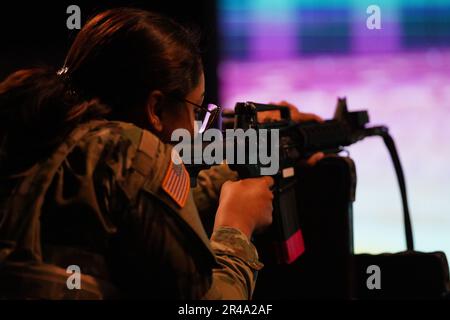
(177, 183)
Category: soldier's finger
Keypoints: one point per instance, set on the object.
(304, 117)
(316, 157)
(269, 180)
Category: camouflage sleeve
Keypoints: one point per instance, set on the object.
(209, 183)
(238, 259)
(236, 255)
(206, 193)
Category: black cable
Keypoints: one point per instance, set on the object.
(390, 145)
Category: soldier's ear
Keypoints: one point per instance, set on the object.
(154, 110)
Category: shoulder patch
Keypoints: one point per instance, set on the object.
(176, 183)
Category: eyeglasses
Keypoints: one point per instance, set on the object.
(207, 114)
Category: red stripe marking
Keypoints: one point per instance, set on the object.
(293, 247)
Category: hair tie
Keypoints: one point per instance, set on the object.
(63, 75)
(62, 72)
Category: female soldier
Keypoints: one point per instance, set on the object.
(87, 181)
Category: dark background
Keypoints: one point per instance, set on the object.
(35, 33)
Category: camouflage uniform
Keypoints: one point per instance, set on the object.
(108, 200)
(207, 191)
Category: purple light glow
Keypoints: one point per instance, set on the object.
(386, 39)
(410, 93)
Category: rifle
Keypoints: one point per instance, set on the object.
(296, 142)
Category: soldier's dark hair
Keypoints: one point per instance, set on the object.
(121, 55)
(116, 60)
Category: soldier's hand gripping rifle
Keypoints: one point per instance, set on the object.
(297, 141)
